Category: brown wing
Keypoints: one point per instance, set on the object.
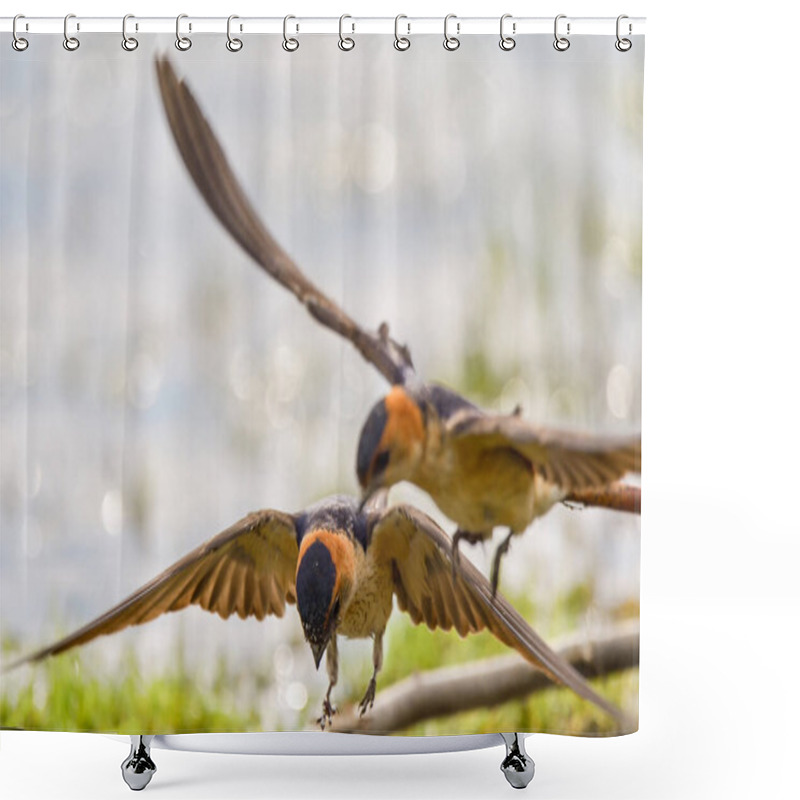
(571, 460)
(420, 554)
(248, 569)
(205, 159)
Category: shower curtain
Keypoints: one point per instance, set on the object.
(158, 383)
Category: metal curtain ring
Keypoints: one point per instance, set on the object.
(182, 42)
(401, 42)
(129, 43)
(507, 42)
(451, 42)
(346, 43)
(233, 44)
(623, 45)
(18, 43)
(561, 43)
(71, 43)
(290, 44)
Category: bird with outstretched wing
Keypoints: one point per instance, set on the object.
(342, 564)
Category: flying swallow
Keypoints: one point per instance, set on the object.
(483, 470)
(489, 470)
(342, 565)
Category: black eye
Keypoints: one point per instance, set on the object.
(380, 463)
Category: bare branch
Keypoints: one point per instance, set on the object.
(450, 690)
(616, 496)
(207, 164)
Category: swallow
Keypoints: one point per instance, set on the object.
(483, 470)
(341, 564)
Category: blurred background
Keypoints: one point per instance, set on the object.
(156, 385)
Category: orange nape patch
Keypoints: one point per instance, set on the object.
(340, 546)
(404, 423)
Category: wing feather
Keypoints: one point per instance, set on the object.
(569, 459)
(247, 593)
(428, 589)
(215, 180)
(237, 591)
(259, 604)
(218, 587)
(248, 568)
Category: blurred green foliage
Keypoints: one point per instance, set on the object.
(62, 695)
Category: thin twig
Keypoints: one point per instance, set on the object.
(616, 496)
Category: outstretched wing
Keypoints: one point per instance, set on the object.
(248, 569)
(568, 459)
(428, 589)
(205, 159)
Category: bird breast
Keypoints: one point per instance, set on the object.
(480, 488)
(371, 604)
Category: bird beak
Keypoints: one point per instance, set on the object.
(376, 497)
(318, 650)
(366, 496)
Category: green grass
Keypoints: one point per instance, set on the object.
(63, 695)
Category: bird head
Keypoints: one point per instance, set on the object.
(392, 442)
(324, 584)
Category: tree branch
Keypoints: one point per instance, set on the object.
(616, 496)
(207, 164)
(465, 687)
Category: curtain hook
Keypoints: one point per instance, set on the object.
(129, 43)
(623, 45)
(346, 43)
(507, 42)
(401, 42)
(561, 43)
(18, 43)
(290, 44)
(182, 42)
(451, 42)
(233, 44)
(71, 43)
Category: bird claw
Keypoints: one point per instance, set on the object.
(502, 549)
(368, 699)
(472, 538)
(328, 711)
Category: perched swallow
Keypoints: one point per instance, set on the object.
(482, 470)
(342, 564)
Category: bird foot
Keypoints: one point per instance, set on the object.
(502, 549)
(328, 711)
(458, 536)
(368, 699)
